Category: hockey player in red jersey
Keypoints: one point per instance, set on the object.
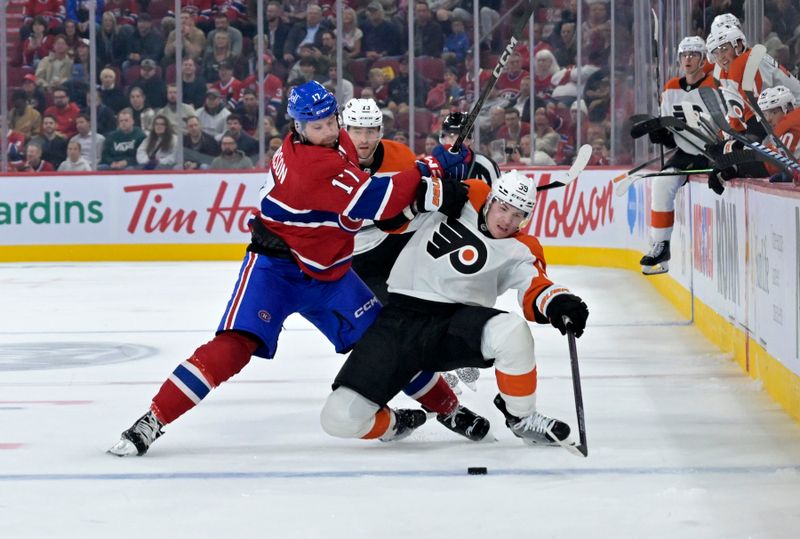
(440, 316)
(691, 55)
(313, 202)
(376, 252)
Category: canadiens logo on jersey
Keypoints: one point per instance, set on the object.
(467, 252)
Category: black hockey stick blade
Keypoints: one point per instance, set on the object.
(466, 129)
(583, 447)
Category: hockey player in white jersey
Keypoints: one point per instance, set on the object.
(440, 316)
(691, 55)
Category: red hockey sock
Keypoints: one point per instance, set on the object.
(209, 366)
(439, 398)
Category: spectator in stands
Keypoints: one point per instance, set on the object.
(308, 31)
(599, 152)
(598, 19)
(34, 161)
(244, 142)
(110, 94)
(142, 114)
(303, 71)
(331, 84)
(295, 10)
(277, 30)
(213, 114)
(229, 87)
(222, 25)
(380, 90)
(523, 102)
(50, 12)
(80, 67)
(23, 117)
(326, 55)
(490, 130)
(272, 147)
(194, 85)
(64, 112)
(269, 130)
(428, 36)
(16, 150)
(78, 11)
(381, 37)
(389, 124)
(401, 137)
(87, 142)
(55, 68)
(351, 34)
(446, 94)
(247, 110)
(106, 119)
(508, 83)
(160, 148)
(565, 46)
(34, 95)
(199, 148)
(170, 110)
(194, 40)
(514, 128)
(546, 66)
(125, 11)
(784, 16)
(431, 141)
(145, 43)
(220, 52)
(37, 45)
(546, 137)
(456, 43)
(273, 86)
(71, 36)
(399, 85)
(75, 162)
(153, 86)
(230, 157)
(54, 146)
(112, 46)
(119, 150)
(513, 154)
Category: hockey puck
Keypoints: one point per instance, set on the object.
(478, 470)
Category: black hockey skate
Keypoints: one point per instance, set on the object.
(465, 422)
(405, 422)
(657, 260)
(138, 439)
(535, 429)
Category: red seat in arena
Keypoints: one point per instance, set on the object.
(422, 121)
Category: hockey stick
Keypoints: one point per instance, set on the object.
(498, 69)
(757, 54)
(623, 185)
(693, 120)
(657, 59)
(583, 447)
(578, 165)
(637, 168)
(709, 97)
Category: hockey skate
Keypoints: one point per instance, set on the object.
(465, 422)
(137, 439)
(535, 429)
(406, 422)
(657, 260)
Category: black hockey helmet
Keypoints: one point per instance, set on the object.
(454, 122)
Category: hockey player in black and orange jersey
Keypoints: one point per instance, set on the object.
(778, 105)
(376, 251)
(440, 315)
(691, 55)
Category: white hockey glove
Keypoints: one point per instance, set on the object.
(446, 196)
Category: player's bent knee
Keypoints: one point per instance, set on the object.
(224, 356)
(507, 338)
(347, 414)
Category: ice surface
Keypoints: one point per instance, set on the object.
(681, 444)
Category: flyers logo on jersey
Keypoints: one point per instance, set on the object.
(466, 251)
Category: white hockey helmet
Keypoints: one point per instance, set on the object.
(362, 113)
(722, 35)
(777, 96)
(692, 44)
(723, 19)
(516, 189)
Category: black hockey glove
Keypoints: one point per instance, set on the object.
(715, 182)
(445, 195)
(572, 307)
(662, 136)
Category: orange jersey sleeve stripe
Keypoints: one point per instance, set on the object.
(382, 420)
(662, 219)
(517, 385)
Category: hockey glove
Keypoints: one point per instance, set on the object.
(429, 167)
(446, 196)
(662, 136)
(717, 177)
(572, 307)
(455, 165)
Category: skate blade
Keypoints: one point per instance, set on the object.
(123, 448)
(657, 269)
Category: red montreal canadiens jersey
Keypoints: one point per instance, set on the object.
(315, 198)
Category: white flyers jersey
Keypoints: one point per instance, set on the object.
(451, 261)
(677, 91)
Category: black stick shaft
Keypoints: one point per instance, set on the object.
(578, 392)
(498, 69)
